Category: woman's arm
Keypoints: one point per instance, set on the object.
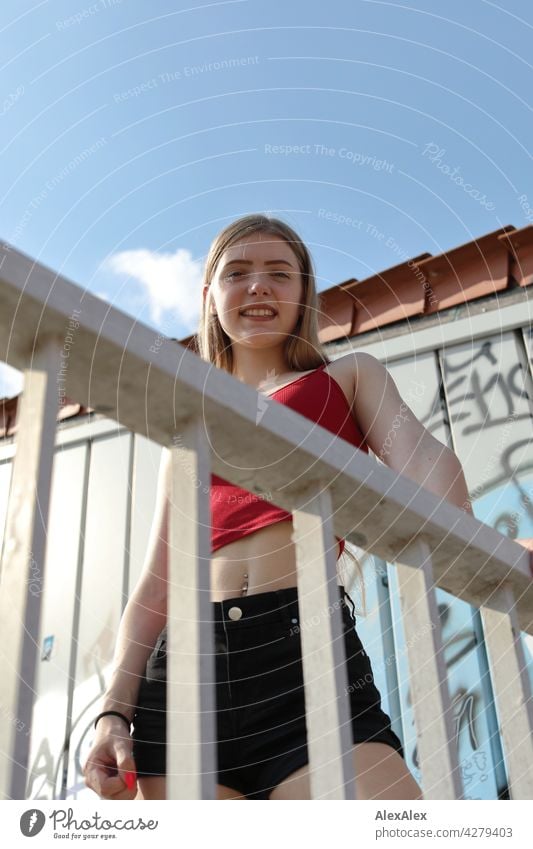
(399, 439)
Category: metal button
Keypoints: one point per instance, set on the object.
(294, 621)
(235, 613)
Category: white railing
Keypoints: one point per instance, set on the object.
(160, 389)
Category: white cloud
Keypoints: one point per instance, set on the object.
(171, 282)
(11, 381)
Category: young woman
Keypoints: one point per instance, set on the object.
(259, 322)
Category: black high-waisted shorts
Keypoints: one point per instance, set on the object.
(261, 729)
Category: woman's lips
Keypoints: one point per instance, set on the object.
(259, 317)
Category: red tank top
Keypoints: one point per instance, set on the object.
(235, 512)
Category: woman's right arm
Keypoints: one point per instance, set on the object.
(143, 619)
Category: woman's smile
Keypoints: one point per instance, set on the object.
(257, 317)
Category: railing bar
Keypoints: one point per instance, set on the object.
(23, 557)
(508, 670)
(191, 700)
(432, 707)
(329, 733)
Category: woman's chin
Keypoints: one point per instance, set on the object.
(261, 337)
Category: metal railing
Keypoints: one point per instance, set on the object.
(164, 391)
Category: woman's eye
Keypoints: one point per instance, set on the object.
(274, 273)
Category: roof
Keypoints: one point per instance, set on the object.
(422, 285)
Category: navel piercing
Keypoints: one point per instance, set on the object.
(245, 585)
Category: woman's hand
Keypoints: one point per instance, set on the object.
(528, 543)
(110, 769)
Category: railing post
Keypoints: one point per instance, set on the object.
(23, 565)
(436, 743)
(509, 676)
(191, 717)
(327, 707)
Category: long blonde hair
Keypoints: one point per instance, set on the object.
(303, 350)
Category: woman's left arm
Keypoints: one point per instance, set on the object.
(400, 440)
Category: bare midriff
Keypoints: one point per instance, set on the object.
(258, 563)
(265, 560)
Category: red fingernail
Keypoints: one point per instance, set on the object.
(130, 779)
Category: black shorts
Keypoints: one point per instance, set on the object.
(261, 727)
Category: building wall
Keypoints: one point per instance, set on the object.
(474, 395)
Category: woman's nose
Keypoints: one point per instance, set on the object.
(258, 279)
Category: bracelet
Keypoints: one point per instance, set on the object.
(113, 713)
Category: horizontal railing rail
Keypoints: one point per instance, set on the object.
(213, 423)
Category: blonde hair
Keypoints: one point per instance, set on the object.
(303, 350)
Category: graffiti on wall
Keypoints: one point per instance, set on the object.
(489, 409)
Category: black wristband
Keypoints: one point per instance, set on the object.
(113, 713)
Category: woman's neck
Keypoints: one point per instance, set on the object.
(259, 370)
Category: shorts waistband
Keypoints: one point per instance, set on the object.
(277, 606)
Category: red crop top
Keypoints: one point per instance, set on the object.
(235, 512)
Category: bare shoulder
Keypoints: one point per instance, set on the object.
(351, 370)
(355, 360)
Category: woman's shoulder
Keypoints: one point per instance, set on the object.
(350, 369)
(359, 367)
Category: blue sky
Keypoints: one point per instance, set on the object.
(132, 132)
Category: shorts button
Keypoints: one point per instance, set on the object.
(235, 613)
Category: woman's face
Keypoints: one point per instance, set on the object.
(258, 269)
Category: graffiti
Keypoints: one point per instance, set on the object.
(467, 637)
(475, 770)
(48, 772)
(508, 522)
(482, 394)
(41, 772)
(463, 701)
(486, 394)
